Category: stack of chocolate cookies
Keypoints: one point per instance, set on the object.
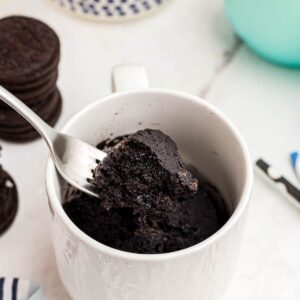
(29, 57)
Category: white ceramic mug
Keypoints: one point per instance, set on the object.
(205, 138)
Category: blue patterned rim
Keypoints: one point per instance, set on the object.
(111, 9)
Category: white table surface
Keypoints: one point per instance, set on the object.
(184, 47)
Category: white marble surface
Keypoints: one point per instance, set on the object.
(182, 47)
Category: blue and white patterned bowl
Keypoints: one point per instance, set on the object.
(111, 10)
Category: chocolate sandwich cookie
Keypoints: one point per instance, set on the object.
(26, 126)
(29, 50)
(8, 200)
(28, 133)
(33, 97)
(33, 84)
(10, 118)
(43, 110)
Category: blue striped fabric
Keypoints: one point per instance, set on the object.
(14, 289)
(295, 162)
(1, 288)
(19, 289)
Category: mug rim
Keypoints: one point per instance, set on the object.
(234, 218)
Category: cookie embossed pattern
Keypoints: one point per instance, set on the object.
(111, 10)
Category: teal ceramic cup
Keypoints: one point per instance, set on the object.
(269, 27)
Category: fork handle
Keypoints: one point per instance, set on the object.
(46, 131)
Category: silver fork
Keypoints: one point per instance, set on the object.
(74, 159)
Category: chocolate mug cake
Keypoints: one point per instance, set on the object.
(149, 201)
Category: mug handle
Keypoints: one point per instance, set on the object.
(129, 77)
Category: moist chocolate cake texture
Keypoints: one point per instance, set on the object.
(29, 57)
(144, 173)
(149, 202)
